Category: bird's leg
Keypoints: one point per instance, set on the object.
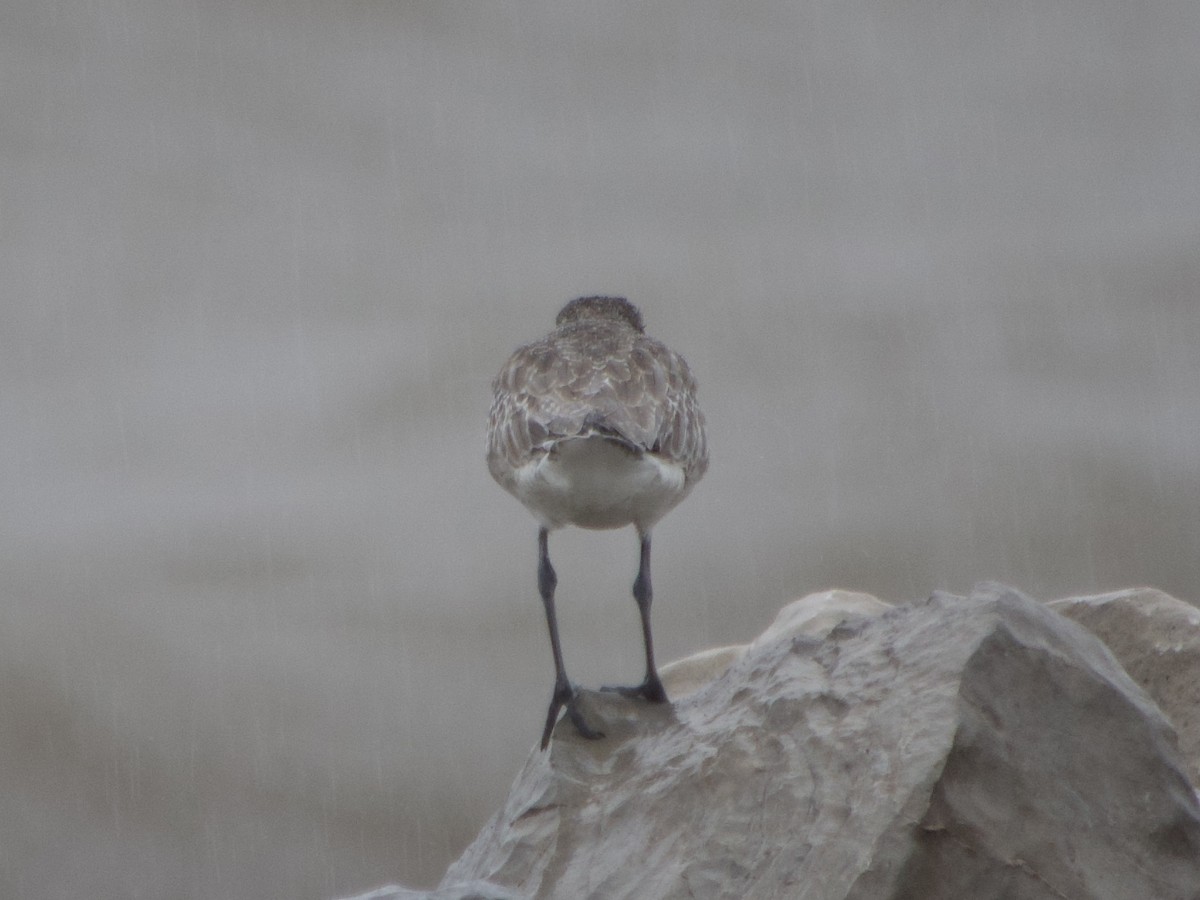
(652, 687)
(564, 691)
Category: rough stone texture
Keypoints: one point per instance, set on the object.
(476, 890)
(815, 615)
(980, 747)
(1157, 640)
(818, 614)
(686, 676)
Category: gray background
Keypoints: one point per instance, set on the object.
(268, 629)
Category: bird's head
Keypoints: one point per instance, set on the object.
(612, 308)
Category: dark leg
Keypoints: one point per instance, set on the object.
(564, 692)
(651, 688)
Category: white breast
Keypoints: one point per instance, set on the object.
(594, 482)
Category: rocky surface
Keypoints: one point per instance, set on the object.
(815, 615)
(1157, 639)
(981, 746)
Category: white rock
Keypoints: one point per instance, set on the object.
(815, 615)
(476, 890)
(687, 675)
(1157, 639)
(978, 747)
(818, 614)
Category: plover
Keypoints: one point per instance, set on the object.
(596, 425)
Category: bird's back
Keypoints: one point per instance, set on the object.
(595, 377)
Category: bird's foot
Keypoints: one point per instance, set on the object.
(567, 697)
(651, 689)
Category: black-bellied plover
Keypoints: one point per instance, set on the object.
(596, 425)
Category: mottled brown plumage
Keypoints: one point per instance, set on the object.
(596, 374)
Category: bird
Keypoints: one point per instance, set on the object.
(596, 425)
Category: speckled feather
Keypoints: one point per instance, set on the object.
(597, 373)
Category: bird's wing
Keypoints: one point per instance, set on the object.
(644, 398)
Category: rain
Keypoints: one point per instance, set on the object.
(268, 627)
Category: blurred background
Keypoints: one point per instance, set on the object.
(267, 627)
